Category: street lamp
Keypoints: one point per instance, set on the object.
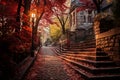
(33, 25)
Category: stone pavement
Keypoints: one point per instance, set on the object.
(49, 67)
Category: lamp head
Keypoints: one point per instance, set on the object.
(33, 15)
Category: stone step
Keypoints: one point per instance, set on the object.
(89, 76)
(81, 46)
(84, 44)
(79, 50)
(94, 70)
(57, 51)
(93, 63)
(86, 67)
(88, 53)
(90, 57)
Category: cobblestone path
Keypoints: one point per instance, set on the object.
(47, 67)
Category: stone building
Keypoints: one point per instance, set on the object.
(98, 58)
(83, 28)
(81, 20)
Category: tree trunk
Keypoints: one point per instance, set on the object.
(98, 4)
(18, 15)
(36, 27)
(18, 10)
(27, 4)
(63, 29)
(98, 9)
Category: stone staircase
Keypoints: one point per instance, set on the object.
(91, 63)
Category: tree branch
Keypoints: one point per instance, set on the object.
(66, 19)
(59, 19)
(37, 22)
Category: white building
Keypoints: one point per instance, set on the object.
(81, 21)
(80, 18)
(84, 19)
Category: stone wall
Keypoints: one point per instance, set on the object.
(108, 41)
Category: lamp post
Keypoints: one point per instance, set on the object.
(33, 25)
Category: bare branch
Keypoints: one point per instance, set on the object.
(59, 19)
(66, 19)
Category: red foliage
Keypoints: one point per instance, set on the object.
(88, 4)
(25, 35)
(9, 8)
(26, 28)
(25, 18)
(17, 42)
(60, 4)
(20, 48)
(47, 6)
(3, 2)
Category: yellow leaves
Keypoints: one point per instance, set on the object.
(55, 31)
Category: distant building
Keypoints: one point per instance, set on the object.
(85, 18)
(81, 20)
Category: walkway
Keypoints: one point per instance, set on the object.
(49, 67)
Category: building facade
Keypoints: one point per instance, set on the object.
(81, 21)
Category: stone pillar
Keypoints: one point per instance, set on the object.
(93, 14)
(96, 27)
(86, 16)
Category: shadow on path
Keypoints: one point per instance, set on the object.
(47, 67)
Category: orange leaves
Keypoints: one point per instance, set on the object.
(27, 28)
(25, 18)
(59, 2)
(45, 8)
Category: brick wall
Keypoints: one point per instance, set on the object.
(108, 41)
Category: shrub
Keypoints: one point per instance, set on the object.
(16, 45)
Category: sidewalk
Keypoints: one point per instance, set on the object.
(47, 67)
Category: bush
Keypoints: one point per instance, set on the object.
(16, 45)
